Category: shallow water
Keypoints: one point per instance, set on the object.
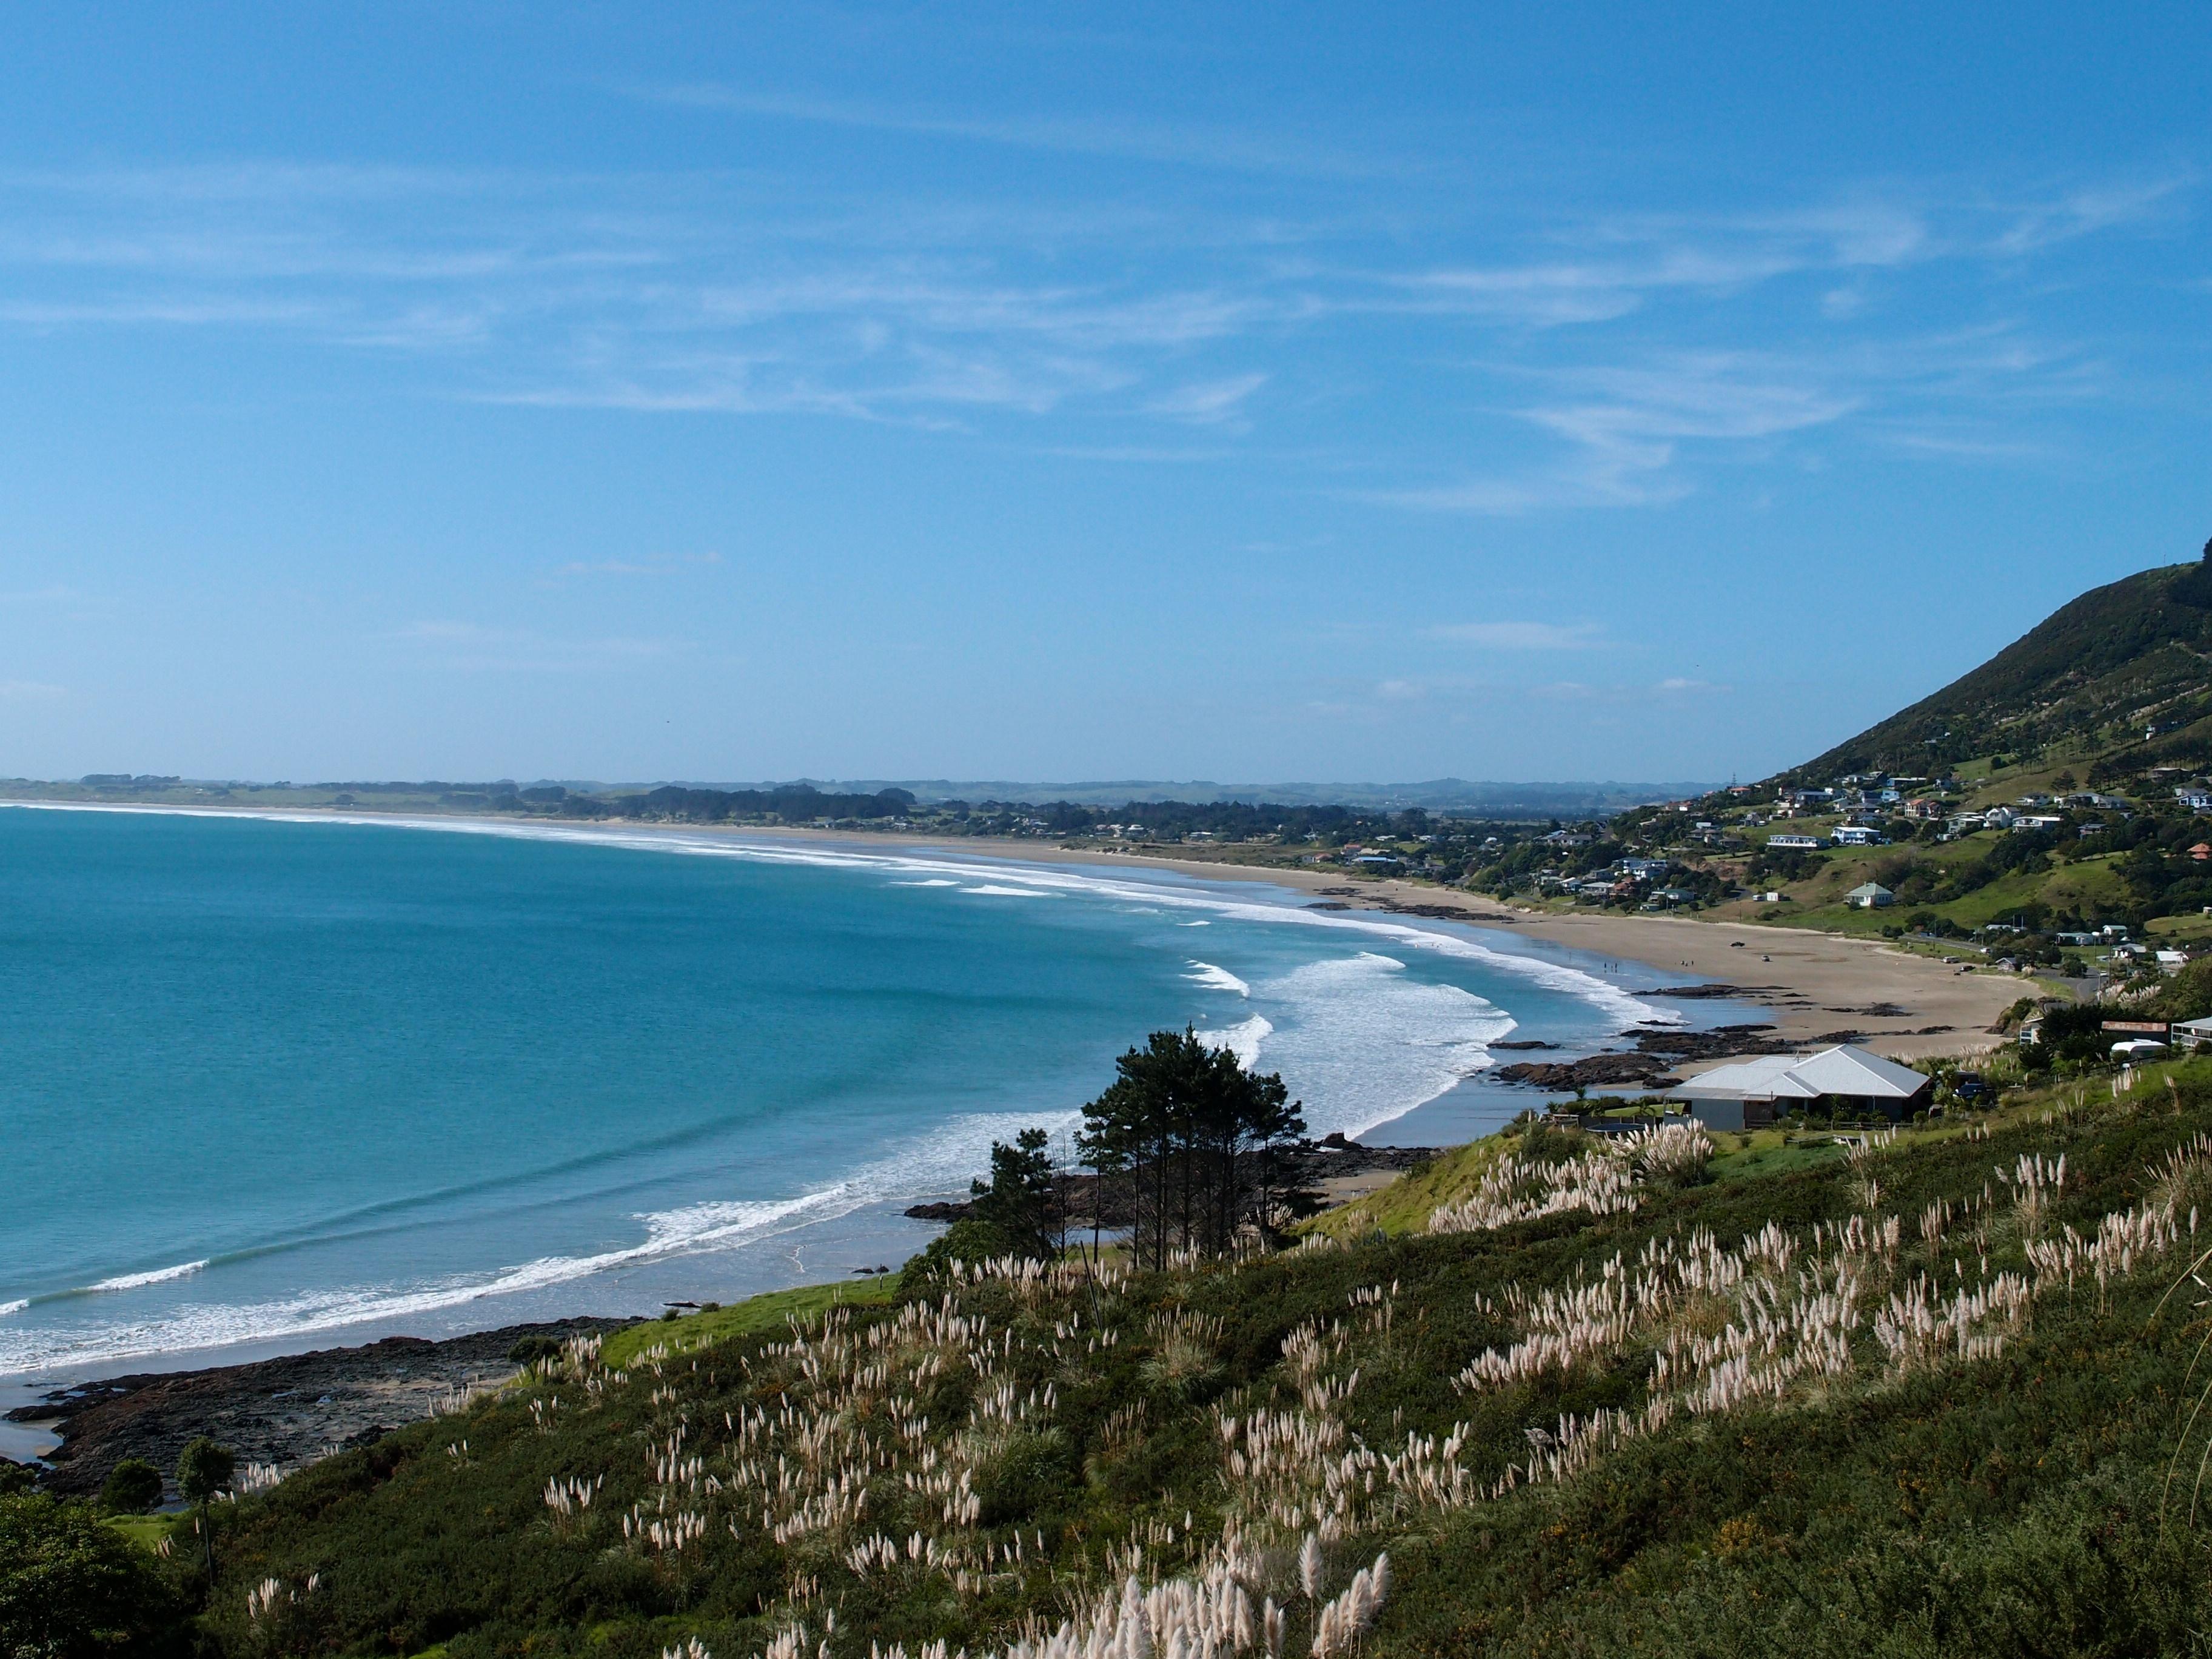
(269, 1078)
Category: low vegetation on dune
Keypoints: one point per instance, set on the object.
(1933, 1395)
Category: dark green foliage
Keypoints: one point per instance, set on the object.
(73, 1588)
(2083, 671)
(969, 1239)
(1021, 1202)
(1198, 1135)
(204, 1469)
(133, 1488)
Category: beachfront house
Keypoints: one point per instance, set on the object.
(1870, 896)
(1754, 1093)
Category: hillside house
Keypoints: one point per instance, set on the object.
(1870, 896)
(1753, 1093)
(1794, 843)
(1858, 834)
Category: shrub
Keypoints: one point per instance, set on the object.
(73, 1588)
(133, 1486)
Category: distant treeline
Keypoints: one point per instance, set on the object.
(797, 802)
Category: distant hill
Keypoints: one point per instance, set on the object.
(2123, 674)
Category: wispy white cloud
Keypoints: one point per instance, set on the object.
(30, 691)
(1208, 403)
(1587, 335)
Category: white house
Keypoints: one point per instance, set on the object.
(1857, 835)
(1753, 1092)
(1794, 843)
(1870, 896)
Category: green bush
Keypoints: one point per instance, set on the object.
(133, 1488)
(73, 1588)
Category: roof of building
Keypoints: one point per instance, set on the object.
(1843, 1070)
(1866, 890)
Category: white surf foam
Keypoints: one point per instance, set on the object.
(1367, 1041)
(933, 881)
(1243, 1039)
(7, 1308)
(1217, 979)
(158, 1276)
(991, 889)
(1201, 922)
(196, 1326)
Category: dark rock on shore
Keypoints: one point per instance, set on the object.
(1530, 1044)
(286, 1411)
(940, 1210)
(1722, 1042)
(1595, 1072)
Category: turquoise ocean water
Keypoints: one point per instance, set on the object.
(278, 1082)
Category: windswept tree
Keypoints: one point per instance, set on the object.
(203, 1473)
(1021, 1202)
(1199, 1135)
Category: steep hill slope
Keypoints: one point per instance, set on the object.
(2094, 676)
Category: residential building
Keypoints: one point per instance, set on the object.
(1870, 896)
(1755, 1093)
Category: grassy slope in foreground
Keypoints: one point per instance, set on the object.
(1797, 1450)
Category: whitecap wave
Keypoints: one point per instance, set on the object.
(1366, 1041)
(137, 1281)
(7, 1308)
(1243, 1039)
(196, 1326)
(933, 881)
(1217, 979)
(992, 890)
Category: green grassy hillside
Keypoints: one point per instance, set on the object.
(2094, 677)
(1923, 1401)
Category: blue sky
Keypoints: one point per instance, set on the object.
(1252, 392)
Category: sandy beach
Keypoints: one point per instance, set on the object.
(1814, 985)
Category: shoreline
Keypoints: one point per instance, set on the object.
(1812, 984)
(1811, 987)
